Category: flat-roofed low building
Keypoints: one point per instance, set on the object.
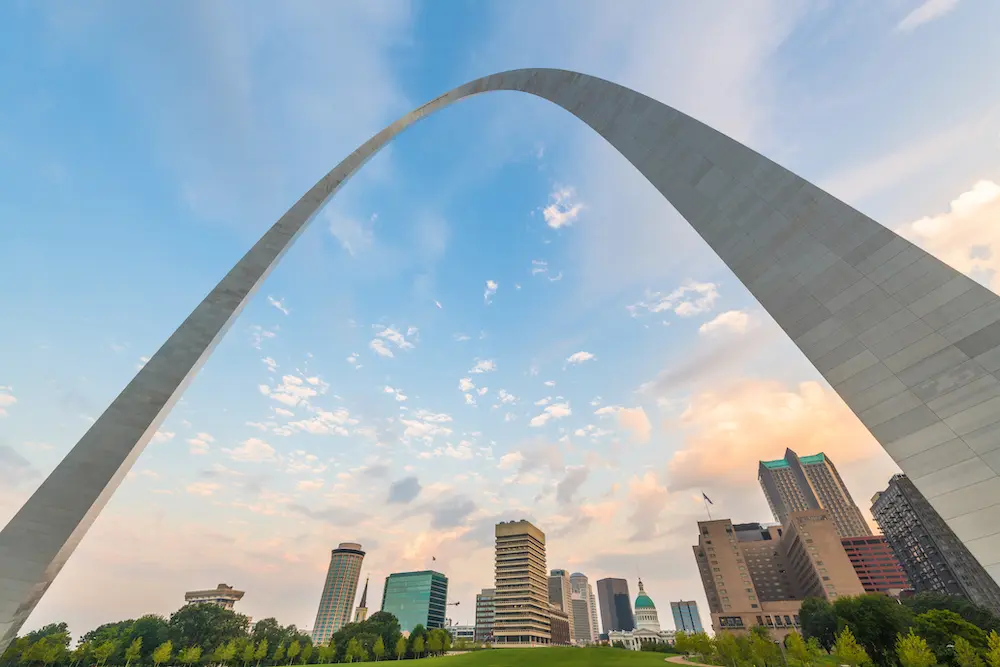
(223, 595)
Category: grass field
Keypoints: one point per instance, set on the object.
(542, 657)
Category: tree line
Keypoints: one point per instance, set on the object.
(871, 630)
(206, 634)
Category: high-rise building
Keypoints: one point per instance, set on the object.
(522, 591)
(361, 613)
(561, 596)
(757, 575)
(416, 598)
(222, 595)
(930, 552)
(339, 591)
(875, 563)
(584, 609)
(485, 613)
(797, 484)
(616, 605)
(686, 616)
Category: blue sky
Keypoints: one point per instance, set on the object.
(144, 148)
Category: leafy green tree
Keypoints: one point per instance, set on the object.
(279, 653)
(940, 627)
(248, 652)
(307, 652)
(163, 653)
(379, 649)
(682, 642)
(973, 613)
(798, 650)
(81, 653)
(993, 649)
(434, 644)
(47, 631)
(727, 649)
(847, 649)
(325, 655)
(401, 649)
(224, 653)
(913, 651)
(133, 651)
(353, 649)
(445, 641)
(293, 650)
(765, 652)
(189, 656)
(152, 630)
(104, 651)
(261, 652)
(966, 654)
(418, 646)
(206, 625)
(876, 621)
(818, 621)
(816, 651)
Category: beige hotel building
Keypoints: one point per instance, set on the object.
(522, 615)
(759, 575)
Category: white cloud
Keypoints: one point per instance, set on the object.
(562, 210)
(967, 235)
(543, 401)
(438, 304)
(465, 384)
(400, 396)
(379, 347)
(539, 266)
(142, 362)
(549, 383)
(385, 335)
(462, 337)
(7, 399)
(462, 451)
(491, 289)
(253, 450)
(323, 422)
(270, 363)
(689, 299)
(554, 411)
(735, 321)
(283, 412)
(425, 425)
(163, 436)
(928, 11)
(470, 399)
(633, 420)
(510, 460)
(278, 303)
(199, 443)
(202, 488)
(482, 391)
(309, 485)
(483, 366)
(259, 334)
(506, 397)
(294, 390)
(579, 357)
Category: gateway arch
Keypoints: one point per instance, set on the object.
(910, 344)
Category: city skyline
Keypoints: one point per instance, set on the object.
(244, 497)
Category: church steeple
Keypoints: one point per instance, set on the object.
(362, 612)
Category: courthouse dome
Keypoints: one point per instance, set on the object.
(643, 601)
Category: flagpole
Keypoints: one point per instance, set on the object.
(704, 499)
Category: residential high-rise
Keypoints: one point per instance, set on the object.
(416, 598)
(361, 613)
(616, 605)
(930, 552)
(875, 563)
(686, 616)
(522, 590)
(797, 484)
(223, 595)
(560, 595)
(485, 613)
(757, 575)
(339, 591)
(584, 609)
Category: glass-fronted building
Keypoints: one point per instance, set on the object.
(416, 598)
(339, 591)
(686, 616)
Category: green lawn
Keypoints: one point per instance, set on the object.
(542, 657)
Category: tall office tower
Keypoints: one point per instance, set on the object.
(339, 591)
(522, 590)
(416, 598)
(560, 595)
(756, 575)
(361, 613)
(616, 605)
(875, 563)
(485, 613)
(796, 484)
(686, 616)
(932, 555)
(586, 626)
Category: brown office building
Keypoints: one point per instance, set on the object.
(560, 626)
(797, 484)
(522, 588)
(876, 565)
(757, 575)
